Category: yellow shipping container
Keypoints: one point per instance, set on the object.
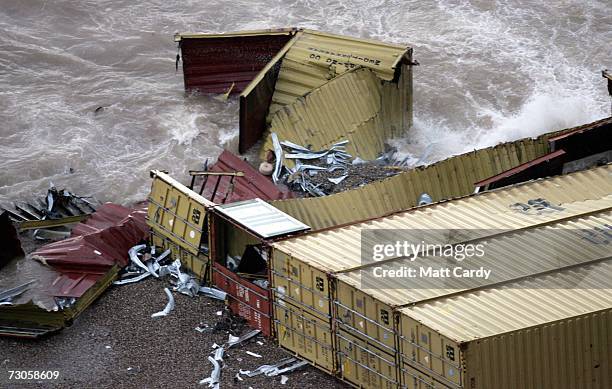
(305, 334)
(530, 334)
(178, 213)
(371, 313)
(363, 364)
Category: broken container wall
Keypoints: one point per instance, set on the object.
(213, 65)
(246, 299)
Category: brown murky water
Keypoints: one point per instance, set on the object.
(490, 71)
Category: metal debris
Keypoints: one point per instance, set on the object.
(213, 293)
(9, 294)
(333, 159)
(133, 253)
(290, 364)
(337, 180)
(278, 164)
(234, 341)
(169, 307)
(284, 379)
(215, 375)
(253, 354)
(425, 199)
(132, 280)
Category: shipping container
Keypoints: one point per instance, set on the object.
(456, 176)
(536, 333)
(305, 334)
(199, 264)
(178, 213)
(240, 235)
(366, 320)
(366, 304)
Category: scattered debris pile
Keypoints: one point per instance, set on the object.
(61, 279)
(144, 263)
(280, 368)
(323, 172)
(57, 208)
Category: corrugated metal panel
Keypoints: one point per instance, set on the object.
(339, 249)
(446, 179)
(212, 63)
(507, 324)
(260, 217)
(317, 57)
(245, 299)
(102, 242)
(566, 354)
(225, 189)
(348, 107)
(510, 255)
(256, 99)
(177, 213)
(527, 303)
(82, 266)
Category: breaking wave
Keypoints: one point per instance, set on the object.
(490, 72)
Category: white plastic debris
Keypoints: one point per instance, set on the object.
(253, 354)
(239, 377)
(284, 379)
(260, 343)
(169, 307)
(219, 313)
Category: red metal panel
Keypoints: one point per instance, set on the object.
(73, 284)
(96, 245)
(212, 64)
(252, 185)
(520, 168)
(246, 299)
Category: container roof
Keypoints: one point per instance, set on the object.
(316, 57)
(511, 255)
(339, 249)
(261, 218)
(511, 307)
